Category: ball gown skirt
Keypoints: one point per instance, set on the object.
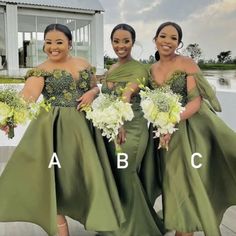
(83, 188)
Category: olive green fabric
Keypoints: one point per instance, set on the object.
(150, 170)
(195, 199)
(83, 188)
(132, 71)
(140, 216)
(206, 91)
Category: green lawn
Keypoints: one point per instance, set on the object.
(16, 80)
(218, 66)
(211, 66)
(11, 80)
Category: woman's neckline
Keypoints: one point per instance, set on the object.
(120, 65)
(51, 72)
(169, 77)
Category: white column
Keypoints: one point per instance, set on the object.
(97, 28)
(12, 39)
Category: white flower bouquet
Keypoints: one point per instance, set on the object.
(14, 110)
(162, 108)
(108, 113)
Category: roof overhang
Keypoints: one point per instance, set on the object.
(53, 7)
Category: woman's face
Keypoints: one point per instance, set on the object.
(167, 41)
(56, 46)
(122, 43)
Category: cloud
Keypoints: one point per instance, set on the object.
(218, 9)
(213, 28)
(112, 11)
(210, 23)
(147, 9)
(150, 10)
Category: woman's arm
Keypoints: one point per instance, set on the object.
(30, 92)
(88, 97)
(129, 91)
(94, 87)
(192, 106)
(32, 88)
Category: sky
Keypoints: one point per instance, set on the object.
(209, 23)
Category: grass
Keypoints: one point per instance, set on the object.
(210, 66)
(217, 66)
(11, 80)
(16, 80)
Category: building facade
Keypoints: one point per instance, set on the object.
(23, 23)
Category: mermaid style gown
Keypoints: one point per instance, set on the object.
(195, 199)
(83, 188)
(139, 214)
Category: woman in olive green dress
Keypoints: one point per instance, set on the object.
(82, 187)
(122, 80)
(199, 169)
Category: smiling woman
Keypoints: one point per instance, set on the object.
(57, 43)
(79, 189)
(201, 155)
(122, 80)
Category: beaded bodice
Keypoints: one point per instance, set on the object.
(61, 86)
(177, 83)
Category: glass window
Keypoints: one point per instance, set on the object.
(82, 43)
(30, 38)
(27, 41)
(2, 42)
(81, 36)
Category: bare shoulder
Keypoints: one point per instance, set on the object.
(37, 72)
(43, 66)
(80, 62)
(155, 66)
(188, 64)
(112, 67)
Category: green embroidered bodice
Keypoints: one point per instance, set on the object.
(61, 86)
(177, 83)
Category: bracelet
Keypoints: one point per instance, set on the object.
(62, 225)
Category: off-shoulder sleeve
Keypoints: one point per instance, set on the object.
(36, 72)
(205, 90)
(86, 79)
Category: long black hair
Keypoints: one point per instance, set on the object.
(163, 25)
(126, 27)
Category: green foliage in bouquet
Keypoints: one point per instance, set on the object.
(162, 108)
(15, 110)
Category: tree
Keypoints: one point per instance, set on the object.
(224, 57)
(201, 62)
(144, 61)
(211, 61)
(234, 60)
(151, 59)
(108, 61)
(193, 51)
